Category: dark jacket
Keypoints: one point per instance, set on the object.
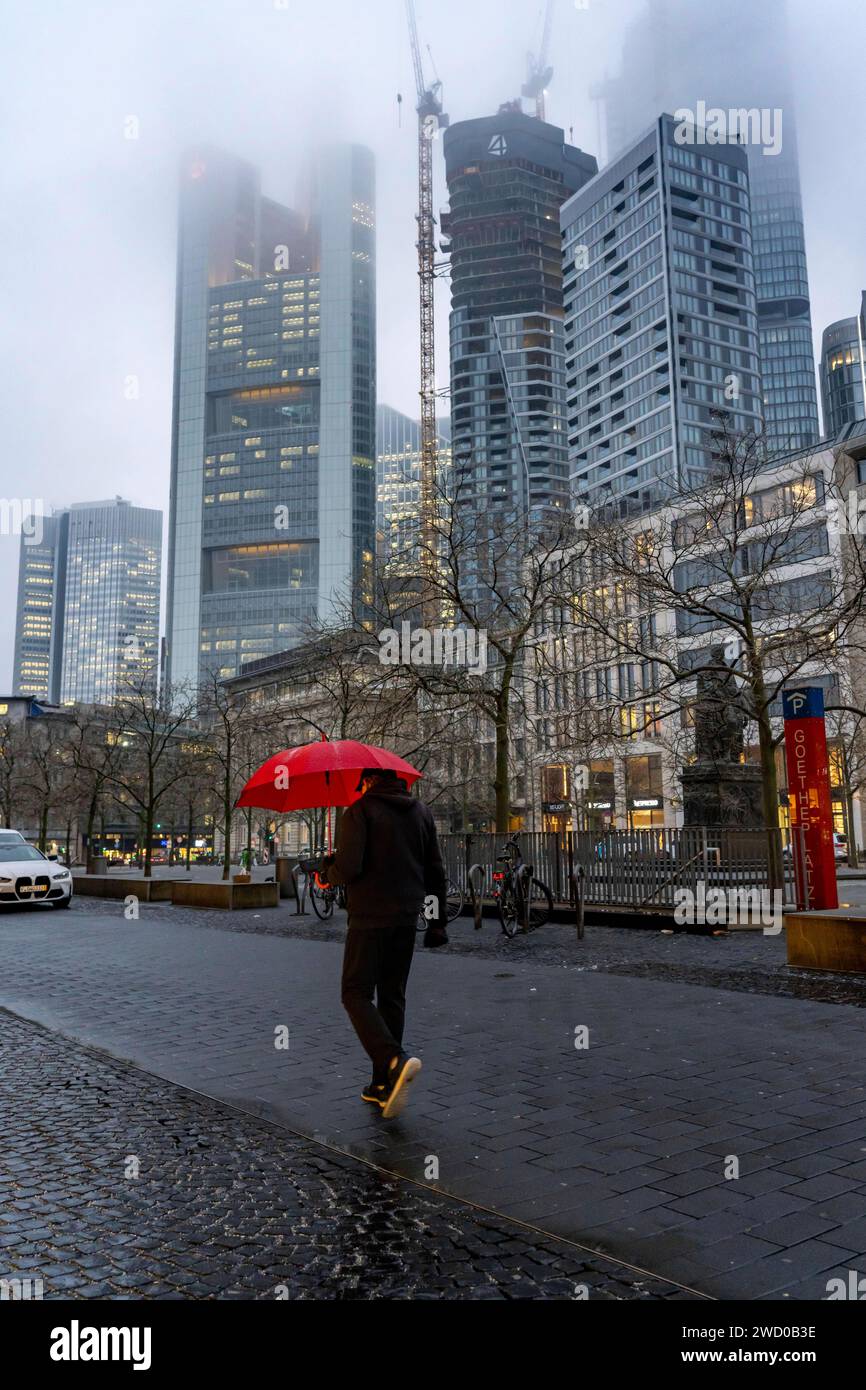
(388, 860)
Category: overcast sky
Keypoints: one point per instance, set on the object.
(88, 216)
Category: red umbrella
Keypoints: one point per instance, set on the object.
(318, 775)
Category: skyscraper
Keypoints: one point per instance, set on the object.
(680, 53)
(37, 581)
(508, 176)
(398, 482)
(843, 372)
(661, 325)
(274, 439)
(88, 607)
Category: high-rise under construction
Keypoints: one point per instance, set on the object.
(508, 176)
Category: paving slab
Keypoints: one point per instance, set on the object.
(671, 1069)
(117, 1185)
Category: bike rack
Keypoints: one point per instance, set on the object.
(300, 894)
(477, 870)
(523, 885)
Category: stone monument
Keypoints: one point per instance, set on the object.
(719, 789)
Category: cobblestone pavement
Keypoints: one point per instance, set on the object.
(115, 1185)
(705, 1133)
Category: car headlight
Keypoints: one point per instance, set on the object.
(64, 874)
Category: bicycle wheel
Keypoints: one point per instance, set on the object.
(322, 900)
(540, 905)
(508, 914)
(455, 900)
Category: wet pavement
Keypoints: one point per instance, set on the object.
(744, 961)
(116, 1185)
(711, 1129)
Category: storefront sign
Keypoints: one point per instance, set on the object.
(647, 803)
(810, 797)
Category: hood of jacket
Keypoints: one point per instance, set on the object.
(396, 797)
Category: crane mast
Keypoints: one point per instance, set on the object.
(540, 72)
(430, 121)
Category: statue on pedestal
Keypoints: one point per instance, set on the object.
(720, 788)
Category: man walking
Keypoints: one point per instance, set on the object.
(388, 860)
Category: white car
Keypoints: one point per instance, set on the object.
(15, 837)
(840, 848)
(27, 876)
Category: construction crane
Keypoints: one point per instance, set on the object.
(540, 73)
(431, 120)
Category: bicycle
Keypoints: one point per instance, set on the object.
(524, 902)
(323, 896)
(456, 899)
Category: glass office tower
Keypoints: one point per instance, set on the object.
(508, 176)
(34, 622)
(661, 323)
(88, 608)
(398, 483)
(682, 52)
(274, 442)
(843, 372)
(109, 632)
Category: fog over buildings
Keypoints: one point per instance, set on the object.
(101, 99)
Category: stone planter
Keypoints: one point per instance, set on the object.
(228, 897)
(147, 890)
(824, 941)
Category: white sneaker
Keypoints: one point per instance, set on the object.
(400, 1077)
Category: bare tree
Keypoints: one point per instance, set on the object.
(493, 576)
(739, 574)
(192, 797)
(846, 734)
(45, 779)
(226, 718)
(12, 752)
(149, 724)
(96, 750)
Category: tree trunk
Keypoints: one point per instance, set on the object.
(189, 826)
(853, 853)
(228, 807)
(502, 784)
(148, 842)
(43, 828)
(88, 835)
(770, 797)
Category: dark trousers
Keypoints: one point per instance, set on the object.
(376, 965)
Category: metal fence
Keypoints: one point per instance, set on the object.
(548, 851)
(638, 868)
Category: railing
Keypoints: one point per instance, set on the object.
(639, 869)
(548, 852)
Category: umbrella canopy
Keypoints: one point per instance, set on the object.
(318, 775)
